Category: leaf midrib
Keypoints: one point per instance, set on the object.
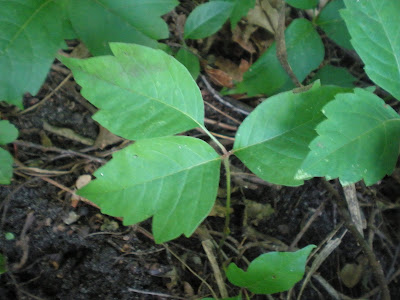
(29, 20)
(138, 93)
(353, 140)
(274, 137)
(162, 177)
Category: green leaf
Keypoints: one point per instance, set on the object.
(6, 170)
(136, 21)
(239, 10)
(332, 23)
(303, 4)
(141, 92)
(190, 61)
(8, 132)
(206, 19)
(173, 179)
(305, 53)
(271, 272)
(31, 32)
(330, 75)
(3, 268)
(359, 140)
(376, 39)
(273, 140)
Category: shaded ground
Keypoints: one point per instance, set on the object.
(67, 250)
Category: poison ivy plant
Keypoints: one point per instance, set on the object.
(376, 39)
(360, 137)
(32, 31)
(333, 24)
(305, 53)
(8, 133)
(272, 272)
(359, 140)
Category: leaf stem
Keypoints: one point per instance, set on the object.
(228, 196)
(220, 146)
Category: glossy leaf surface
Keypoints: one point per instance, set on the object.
(376, 39)
(141, 92)
(207, 18)
(358, 140)
(31, 32)
(305, 53)
(173, 179)
(99, 22)
(273, 140)
(271, 272)
(333, 24)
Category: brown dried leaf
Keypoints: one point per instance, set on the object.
(220, 77)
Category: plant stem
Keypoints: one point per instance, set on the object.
(228, 196)
(225, 159)
(223, 149)
(373, 261)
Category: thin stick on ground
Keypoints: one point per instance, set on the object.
(373, 261)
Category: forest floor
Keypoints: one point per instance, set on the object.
(58, 247)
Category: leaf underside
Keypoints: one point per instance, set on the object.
(305, 53)
(273, 140)
(358, 140)
(140, 92)
(271, 272)
(173, 179)
(136, 21)
(31, 32)
(375, 31)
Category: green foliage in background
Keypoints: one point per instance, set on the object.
(305, 53)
